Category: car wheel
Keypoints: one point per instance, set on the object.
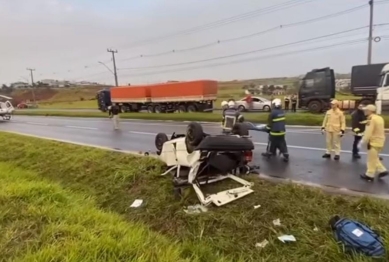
(240, 129)
(194, 134)
(241, 108)
(266, 108)
(160, 139)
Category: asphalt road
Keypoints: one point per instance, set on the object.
(306, 146)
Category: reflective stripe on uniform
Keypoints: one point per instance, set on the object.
(356, 129)
(363, 122)
(277, 133)
(278, 119)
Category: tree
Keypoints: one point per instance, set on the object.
(271, 89)
(4, 87)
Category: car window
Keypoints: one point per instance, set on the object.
(256, 100)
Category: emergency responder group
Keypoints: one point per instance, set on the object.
(368, 129)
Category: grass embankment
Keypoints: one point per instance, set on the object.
(41, 221)
(306, 119)
(114, 180)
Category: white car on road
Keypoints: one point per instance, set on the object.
(258, 104)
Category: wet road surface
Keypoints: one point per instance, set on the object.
(306, 146)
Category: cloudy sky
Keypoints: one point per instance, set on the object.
(65, 39)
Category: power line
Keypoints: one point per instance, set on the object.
(346, 43)
(226, 21)
(249, 52)
(228, 40)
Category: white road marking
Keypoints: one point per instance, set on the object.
(38, 124)
(83, 127)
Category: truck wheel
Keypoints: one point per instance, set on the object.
(150, 109)
(192, 108)
(315, 107)
(181, 109)
(158, 109)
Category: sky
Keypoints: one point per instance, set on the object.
(66, 39)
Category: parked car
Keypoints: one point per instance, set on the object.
(258, 104)
(26, 105)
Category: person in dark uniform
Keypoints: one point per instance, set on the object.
(294, 103)
(358, 126)
(114, 112)
(286, 101)
(231, 115)
(276, 129)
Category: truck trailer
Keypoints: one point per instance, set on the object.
(192, 96)
(317, 87)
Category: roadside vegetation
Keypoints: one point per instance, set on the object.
(73, 205)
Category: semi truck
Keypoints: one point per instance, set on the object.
(191, 96)
(369, 82)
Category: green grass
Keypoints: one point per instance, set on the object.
(291, 118)
(41, 221)
(90, 104)
(114, 180)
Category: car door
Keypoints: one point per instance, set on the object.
(257, 103)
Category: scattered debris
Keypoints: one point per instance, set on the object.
(315, 229)
(196, 209)
(287, 238)
(277, 222)
(257, 206)
(262, 244)
(137, 203)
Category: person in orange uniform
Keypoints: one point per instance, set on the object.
(374, 138)
(334, 124)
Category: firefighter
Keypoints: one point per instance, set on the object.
(114, 113)
(287, 101)
(334, 124)
(359, 121)
(224, 105)
(231, 115)
(374, 138)
(294, 103)
(276, 129)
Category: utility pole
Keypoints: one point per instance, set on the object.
(371, 3)
(32, 82)
(114, 64)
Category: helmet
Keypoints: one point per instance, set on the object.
(224, 103)
(276, 102)
(231, 103)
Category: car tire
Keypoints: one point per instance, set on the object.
(160, 139)
(240, 129)
(194, 135)
(266, 108)
(241, 108)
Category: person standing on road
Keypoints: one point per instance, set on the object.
(334, 124)
(231, 115)
(358, 123)
(114, 112)
(294, 103)
(286, 101)
(277, 131)
(374, 138)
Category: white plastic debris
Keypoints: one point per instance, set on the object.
(316, 229)
(257, 206)
(287, 238)
(262, 244)
(277, 222)
(196, 209)
(137, 203)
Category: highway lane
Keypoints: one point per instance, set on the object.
(305, 146)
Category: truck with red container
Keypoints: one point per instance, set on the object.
(191, 96)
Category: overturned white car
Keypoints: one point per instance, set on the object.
(6, 108)
(196, 158)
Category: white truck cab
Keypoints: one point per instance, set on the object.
(382, 100)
